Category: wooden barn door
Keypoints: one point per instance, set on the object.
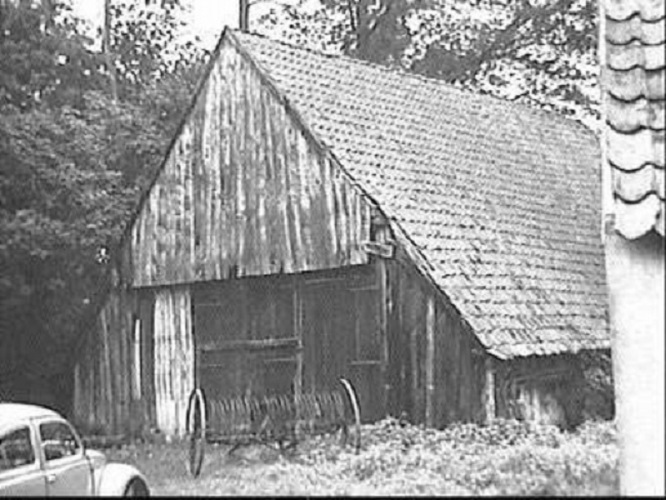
(245, 340)
(341, 335)
(283, 334)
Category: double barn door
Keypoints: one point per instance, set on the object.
(291, 333)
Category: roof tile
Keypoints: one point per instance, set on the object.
(634, 76)
(501, 201)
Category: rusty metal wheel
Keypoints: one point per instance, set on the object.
(356, 413)
(196, 429)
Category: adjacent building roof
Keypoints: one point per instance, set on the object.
(634, 73)
(500, 202)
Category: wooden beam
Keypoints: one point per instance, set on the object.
(366, 362)
(430, 362)
(384, 311)
(298, 330)
(489, 390)
(244, 15)
(385, 250)
(239, 345)
(414, 356)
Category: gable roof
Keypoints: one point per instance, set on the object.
(501, 201)
(634, 72)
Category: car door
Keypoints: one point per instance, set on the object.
(20, 471)
(65, 465)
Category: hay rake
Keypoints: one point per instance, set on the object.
(281, 419)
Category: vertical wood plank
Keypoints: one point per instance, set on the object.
(489, 390)
(328, 196)
(107, 400)
(289, 257)
(157, 364)
(291, 160)
(298, 333)
(124, 312)
(245, 190)
(430, 362)
(223, 136)
(188, 354)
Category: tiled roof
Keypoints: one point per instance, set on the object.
(499, 202)
(634, 72)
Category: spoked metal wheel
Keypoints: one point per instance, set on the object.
(356, 414)
(196, 429)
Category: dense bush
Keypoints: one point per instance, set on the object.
(598, 392)
(504, 458)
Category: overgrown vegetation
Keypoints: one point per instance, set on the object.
(505, 458)
(73, 159)
(598, 390)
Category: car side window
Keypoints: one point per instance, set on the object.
(58, 440)
(16, 449)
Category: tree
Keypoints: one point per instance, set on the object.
(539, 51)
(73, 161)
(44, 63)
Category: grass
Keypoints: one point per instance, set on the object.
(506, 458)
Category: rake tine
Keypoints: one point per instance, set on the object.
(328, 412)
(339, 405)
(237, 411)
(225, 408)
(286, 406)
(241, 413)
(310, 412)
(242, 425)
(266, 420)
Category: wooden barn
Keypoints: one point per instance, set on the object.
(319, 217)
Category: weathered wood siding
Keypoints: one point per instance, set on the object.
(538, 389)
(291, 333)
(245, 191)
(136, 367)
(246, 343)
(102, 386)
(341, 331)
(173, 359)
(435, 370)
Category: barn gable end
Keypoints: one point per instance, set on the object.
(245, 191)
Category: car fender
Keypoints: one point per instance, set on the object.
(115, 478)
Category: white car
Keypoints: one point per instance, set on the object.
(41, 454)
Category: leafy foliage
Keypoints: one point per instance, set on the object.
(72, 163)
(542, 52)
(44, 63)
(598, 389)
(147, 43)
(503, 458)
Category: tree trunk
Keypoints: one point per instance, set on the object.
(244, 15)
(110, 64)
